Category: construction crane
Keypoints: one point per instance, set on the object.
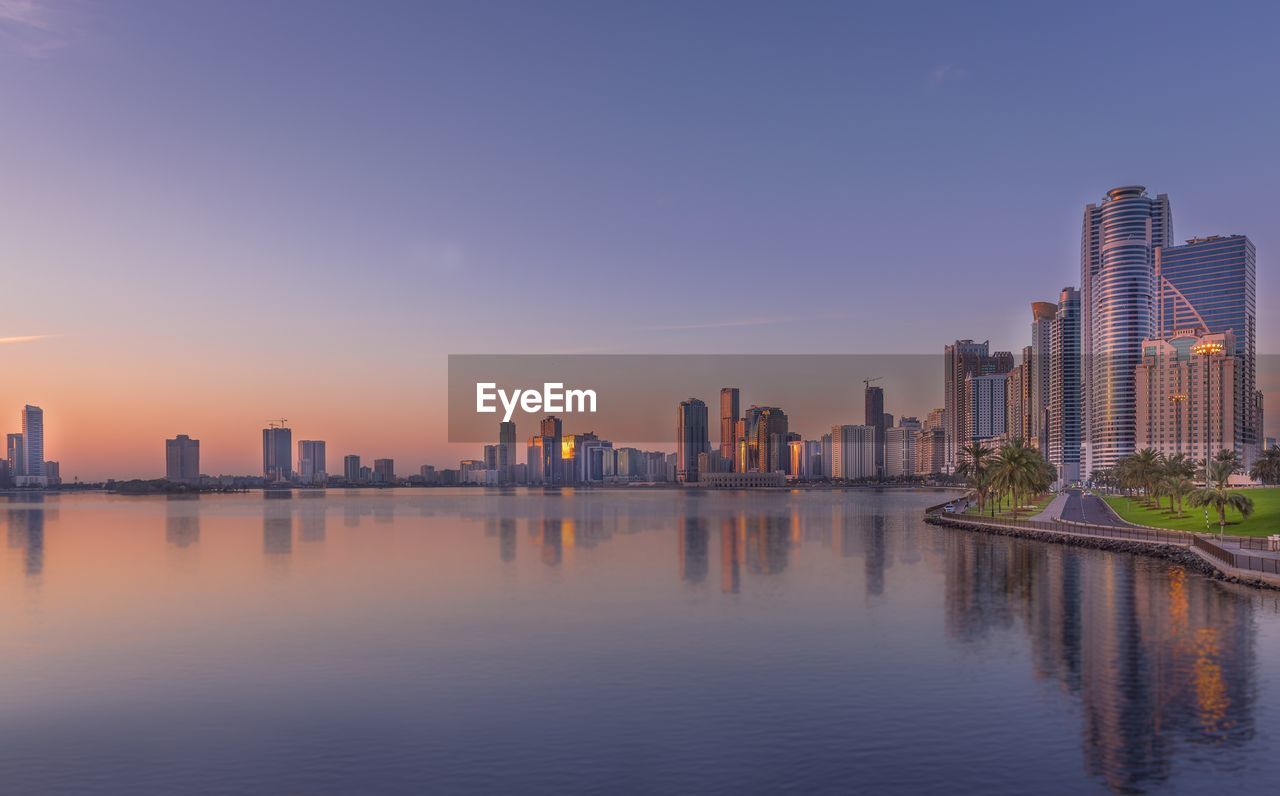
(277, 424)
(866, 383)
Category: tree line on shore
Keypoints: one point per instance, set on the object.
(1015, 470)
(1151, 476)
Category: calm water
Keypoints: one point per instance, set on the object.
(438, 641)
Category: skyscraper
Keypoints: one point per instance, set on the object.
(182, 459)
(1065, 408)
(553, 437)
(1117, 278)
(767, 439)
(873, 415)
(962, 359)
(985, 411)
(853, 452)
(900, 451)
(1018, 401)
(506, 451)
(277, 452)
(17, 455)
(691, 438)
(351, 468)
(1188, 395)
(33, 441)
(1208, 285)
(1042, 317)
(312, 467)
(729, 423)
(384, 471)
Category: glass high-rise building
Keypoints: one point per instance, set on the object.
(277, 453)
(873, 415)
(729, 408)
(1117, 276)
(312, 467)
(1208, 286)
(691, 438)
(1065, 412)
(507, 456)
(552, 432)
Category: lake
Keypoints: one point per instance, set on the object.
(414, 641)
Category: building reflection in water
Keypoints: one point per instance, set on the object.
(768, 544)
(876, 555)
(506, 532)
(353, 508)
(694, 543)
(312, 522)
(277, 525)
(551, 539)
(1157, 657)
(25, 518)
(732, 542)
(182, 520)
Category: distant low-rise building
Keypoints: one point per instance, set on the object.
(749, 480)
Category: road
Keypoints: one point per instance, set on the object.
(1090, 509)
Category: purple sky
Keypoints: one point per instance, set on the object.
(324, 199)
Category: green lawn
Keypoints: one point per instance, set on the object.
(1265, 519)
(1030, 507)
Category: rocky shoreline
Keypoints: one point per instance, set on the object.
(1173, 553)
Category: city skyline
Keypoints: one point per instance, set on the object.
(368, 241)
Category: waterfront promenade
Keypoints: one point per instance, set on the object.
(1079, 518)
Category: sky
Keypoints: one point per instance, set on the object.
(215, 214)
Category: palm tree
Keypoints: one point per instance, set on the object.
(1173, 471)
(974, 466)
(1215, 494)
(1178, 487)
(1146, 466)
(1229, 457)
(1267, 468)
(1021, 471)
(1179, 464)
(1105, 477)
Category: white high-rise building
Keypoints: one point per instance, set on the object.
(900, 450)
(853, 452)
(985, 409)
(33, 443)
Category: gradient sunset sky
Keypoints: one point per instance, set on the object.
(213, 214)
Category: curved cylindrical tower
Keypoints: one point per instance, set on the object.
(1130, 225)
